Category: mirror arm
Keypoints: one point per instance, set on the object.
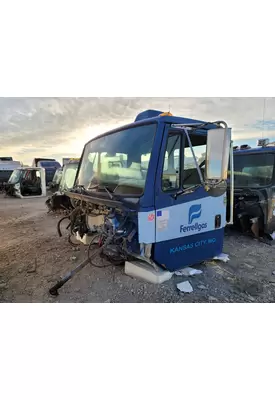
(231, 218)
(193, 154)
(221, 123)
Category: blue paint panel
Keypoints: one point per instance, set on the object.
(164, 200)
(148, 198)
(178, 253)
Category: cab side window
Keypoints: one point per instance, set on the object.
(171, 164)
(190, 173)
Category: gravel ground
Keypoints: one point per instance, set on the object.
(33, 257)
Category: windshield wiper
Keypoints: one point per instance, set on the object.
(109, 193)
(104, 187)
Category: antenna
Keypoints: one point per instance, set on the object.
(263, 118)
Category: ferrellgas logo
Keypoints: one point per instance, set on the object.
(194, 213)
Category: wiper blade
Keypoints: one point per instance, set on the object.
(104, 187)
(93, 187)
(109, 193)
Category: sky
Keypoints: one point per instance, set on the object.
(59, 127)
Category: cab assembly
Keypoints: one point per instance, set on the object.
(63, 181)
(26, 182)
(254, 190)
(153, 191)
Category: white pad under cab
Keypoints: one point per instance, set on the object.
(86, 240)
(144, 271)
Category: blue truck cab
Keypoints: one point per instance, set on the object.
(254, 189)
(50, 165)
(160, 184)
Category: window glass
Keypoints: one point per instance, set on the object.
(118, 159)
(171, 171)
(190, 173)
(253, 170)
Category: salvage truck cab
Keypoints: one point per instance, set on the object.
(59, 200)
(7, 166)
(54, 184)
(254, 189)
(27, 182)
(50, 166)
(155, 190)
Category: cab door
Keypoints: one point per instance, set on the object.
(184, 221)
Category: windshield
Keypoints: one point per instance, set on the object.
(15, 176)
(118, 160)
(57, 176)
(68, 177)
(253, 170)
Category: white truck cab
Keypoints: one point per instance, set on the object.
(26, 182)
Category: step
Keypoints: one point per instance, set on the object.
(142, 270)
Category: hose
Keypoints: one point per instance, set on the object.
(96, 251)
(59, 223)
(73, 216)
(112, 261)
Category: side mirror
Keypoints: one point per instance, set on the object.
(217, 153)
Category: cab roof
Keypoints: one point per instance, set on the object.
(30, 168)
(167, 117)
(255, 150)
(156, 115)
(151, 116)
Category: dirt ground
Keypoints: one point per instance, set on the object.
(33, 258)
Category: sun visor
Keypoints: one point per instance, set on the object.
(148, 114)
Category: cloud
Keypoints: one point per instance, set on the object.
(265, 125)
(30, 126)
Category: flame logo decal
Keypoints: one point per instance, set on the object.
(194, 213)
